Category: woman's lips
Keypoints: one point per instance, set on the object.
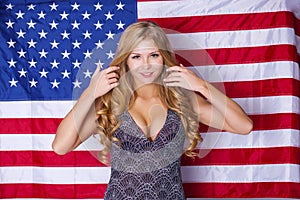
(146, 74)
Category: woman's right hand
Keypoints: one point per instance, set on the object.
(103, 81)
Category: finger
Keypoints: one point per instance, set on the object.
(172, 79)
(172, 84)
(174, 73)
(175, 68)
(113, 80)
(113, 85)
(111, 69)
(97, 70)
(112, 75)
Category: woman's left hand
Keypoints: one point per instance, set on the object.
(182, 77)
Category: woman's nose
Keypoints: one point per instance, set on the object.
(145, 60)
(146, 63)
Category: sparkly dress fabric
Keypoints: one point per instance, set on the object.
(146, 170)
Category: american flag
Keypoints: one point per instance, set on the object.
(49, 49)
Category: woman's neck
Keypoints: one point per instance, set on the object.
(148, 91)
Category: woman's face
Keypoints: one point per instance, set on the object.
(145, 62)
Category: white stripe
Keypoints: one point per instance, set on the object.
(42, 142)
(298, 43)
(161, 9)
(242, 174)
(217, 140)
(232, 39)
(35, 109)
(294, 6)
(252, 105)
(256, 139)
(248, 72)
(55, 175)
(190, 174)
(270, 105)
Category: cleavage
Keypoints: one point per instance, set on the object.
(150, 120)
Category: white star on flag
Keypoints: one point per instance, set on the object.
(31, 24)
(12, 63)
(75, 25)
(55, 84)
(86, 15)
(42, 15)
(60, 41)
(20, 14)
(110, 35)
(11, 43)
(77, 84)
(120, 6)
(64, 15)
(43, 73)
(22, 73)
(98, 6)
(66, 74)
(31, 43)
(33, 83)
(13, 83)
(9, 24)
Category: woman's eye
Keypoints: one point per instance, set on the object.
(135, 57)
(155, 55)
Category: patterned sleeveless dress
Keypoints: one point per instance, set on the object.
(146, 170)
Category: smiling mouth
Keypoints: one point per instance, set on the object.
(147, 74)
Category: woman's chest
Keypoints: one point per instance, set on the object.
(133, 139)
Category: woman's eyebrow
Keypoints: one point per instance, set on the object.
(134, 53)
(156, 51)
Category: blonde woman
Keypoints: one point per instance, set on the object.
(146, 109)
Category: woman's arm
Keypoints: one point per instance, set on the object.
(220, 111)
(216, 110)
(79, 123)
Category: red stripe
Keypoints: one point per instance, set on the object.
(225, 22)
(262, 88)
(243, 190)
(205, 190)
(239, 156)
(29, 125)
(261, 122)
(268, 122)
(246, 156)
(243, 55)
(50, 159)
(276, 121)
(59, 191)
(297, 26)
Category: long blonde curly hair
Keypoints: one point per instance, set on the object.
(115, 102)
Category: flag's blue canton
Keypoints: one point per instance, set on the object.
(49, 50)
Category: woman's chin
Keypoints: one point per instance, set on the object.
(142, 82)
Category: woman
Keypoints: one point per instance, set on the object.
(147, 109)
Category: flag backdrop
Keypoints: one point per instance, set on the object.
(48, 50)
